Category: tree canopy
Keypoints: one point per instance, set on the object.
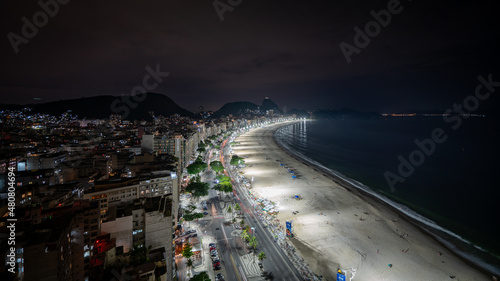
(197, 167)
(198, 188)
(225, 187)
(223, 178)
(261, 256)
(236, 160)
(202, 276)
(217, 166)
(193, 216)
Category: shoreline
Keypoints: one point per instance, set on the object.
(363, 193)
(324, 243)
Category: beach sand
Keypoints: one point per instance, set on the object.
(337, 228)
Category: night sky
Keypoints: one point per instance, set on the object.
(427, 57)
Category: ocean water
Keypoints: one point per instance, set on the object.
(453, 189)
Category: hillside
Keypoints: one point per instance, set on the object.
(104, 106)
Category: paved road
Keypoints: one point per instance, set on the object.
(228, 255)
(276, 260)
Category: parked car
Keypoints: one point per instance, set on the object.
(216, 267)
(212, 248)
(212, 245)
(219, 277)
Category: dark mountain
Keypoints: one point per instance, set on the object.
(236, 108)
(268, 104)
(103, 106)
(244, 107)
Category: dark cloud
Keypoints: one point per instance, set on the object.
(427, 57)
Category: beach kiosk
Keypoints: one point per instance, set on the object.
(288, 225)
(340, 275)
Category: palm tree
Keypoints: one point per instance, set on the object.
(261, 257)
(187, 250)
(244, 235)
(253, 242)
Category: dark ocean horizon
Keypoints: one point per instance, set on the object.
(454, 185)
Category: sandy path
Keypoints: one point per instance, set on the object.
(353, 232)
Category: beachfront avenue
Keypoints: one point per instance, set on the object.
(277, 262)
(220, 227)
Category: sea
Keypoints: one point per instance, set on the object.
(451, 190)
